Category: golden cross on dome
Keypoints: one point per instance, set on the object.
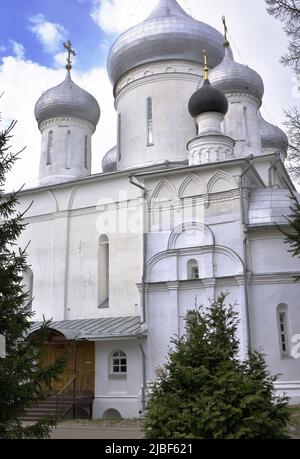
(226, 42)
(206, 69)
(71, 52)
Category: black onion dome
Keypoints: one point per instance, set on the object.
(207, 99)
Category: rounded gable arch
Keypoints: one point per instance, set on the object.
(227, 262)
(197, 234)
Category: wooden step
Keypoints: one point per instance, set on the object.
(50, 407)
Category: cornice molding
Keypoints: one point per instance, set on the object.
(274, 278)
(55, 122)
(153, 69)
(237, 97)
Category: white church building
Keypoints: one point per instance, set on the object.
(187, 206)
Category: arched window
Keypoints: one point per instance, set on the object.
(282, 319)
(149, 122)
(28, 287)
(86, 151)
(119, 363)
(192, 270)
(49, 148)
(103, 263)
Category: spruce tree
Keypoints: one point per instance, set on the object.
(288, 12)
(23, 382)
(293, 233)
(207, 392)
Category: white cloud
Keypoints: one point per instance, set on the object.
(18, 49)
(115, 16)
(50, 34)
(2, 49)
(60, 60)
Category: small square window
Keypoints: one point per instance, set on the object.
(119, 363)
(192, 270)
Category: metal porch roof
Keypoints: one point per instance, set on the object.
(93, 329)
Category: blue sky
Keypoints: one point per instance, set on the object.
(32, 59)
(19, 18)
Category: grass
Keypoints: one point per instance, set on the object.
(138, 423)
(295, 421)
(123, 423)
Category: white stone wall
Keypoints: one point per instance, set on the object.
(64, 227)
(66, 221)
(120, 393)
(170, 85)
(67, 151)
(241, 124)
(267, 293)
(220, 258)
(269, 206)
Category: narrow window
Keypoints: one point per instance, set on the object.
(245, 114)
(149, 122)
(49, 148)
(86, 152)
(192, 270)
(119, 137)
(68, 151)
(103, 272)
(283, 330)
(119, 363)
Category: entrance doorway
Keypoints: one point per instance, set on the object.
(80, 362)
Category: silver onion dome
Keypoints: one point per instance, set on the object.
(272, 136)
(168, 33)
(230, 76)
(109, 161)
(65, 100)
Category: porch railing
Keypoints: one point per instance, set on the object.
(64, 394)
